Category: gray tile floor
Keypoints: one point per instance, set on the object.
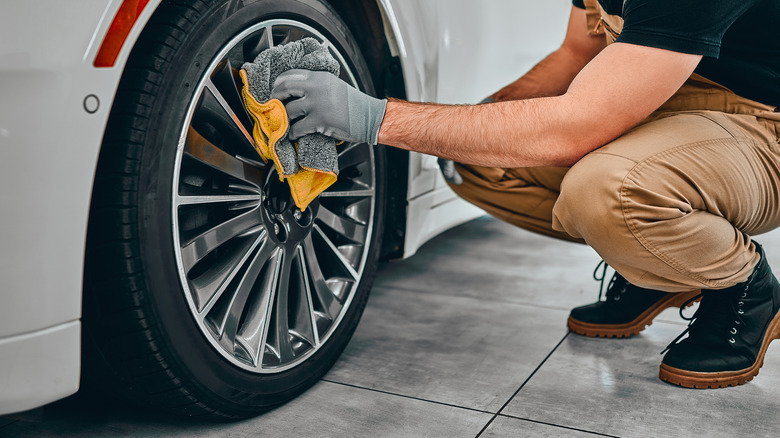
(468, 339)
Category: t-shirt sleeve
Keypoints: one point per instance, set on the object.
(578, 3)
(688, 26)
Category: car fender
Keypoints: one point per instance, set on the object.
(52, 119)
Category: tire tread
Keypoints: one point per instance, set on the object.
(124, 319)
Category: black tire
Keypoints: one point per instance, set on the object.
(143, 328)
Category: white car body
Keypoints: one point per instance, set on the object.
(53, 113)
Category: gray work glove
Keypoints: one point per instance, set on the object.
(325, 104)
(448, 166)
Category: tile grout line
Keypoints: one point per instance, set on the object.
(524, 383)
(484, 428)
(407, 396)
(559, 426)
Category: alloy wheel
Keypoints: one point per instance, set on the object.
(266, 282)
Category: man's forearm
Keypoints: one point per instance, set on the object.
(518, 133)
(623, 85)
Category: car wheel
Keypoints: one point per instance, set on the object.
(207, 292)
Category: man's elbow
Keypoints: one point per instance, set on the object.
(568, 160)
(574, 148)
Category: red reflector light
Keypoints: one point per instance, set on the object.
(117, 33)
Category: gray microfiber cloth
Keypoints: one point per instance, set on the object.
(315, 151)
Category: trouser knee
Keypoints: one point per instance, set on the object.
(589, 204)
(590, 207)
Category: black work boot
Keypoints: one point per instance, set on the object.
(627, 310)
(728, 335)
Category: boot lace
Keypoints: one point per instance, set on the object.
(616, 287)
(716, 310)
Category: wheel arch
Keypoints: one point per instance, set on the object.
(365, 20)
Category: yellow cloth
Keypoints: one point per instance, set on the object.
(271, 125)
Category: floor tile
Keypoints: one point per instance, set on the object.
(611, 386)
(458, 350)
(492, 260)
(345, 411)
(327, 410)
(506, 427)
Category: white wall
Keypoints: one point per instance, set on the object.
(485, 44)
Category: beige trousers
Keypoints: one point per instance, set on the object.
(671, 204)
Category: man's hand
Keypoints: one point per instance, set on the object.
(322, 103)
(449, 172)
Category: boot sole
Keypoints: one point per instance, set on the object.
(630, 328)
(699, 380)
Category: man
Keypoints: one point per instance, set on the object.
(650, 134)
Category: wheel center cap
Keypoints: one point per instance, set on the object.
(287, 225)
(277, 197)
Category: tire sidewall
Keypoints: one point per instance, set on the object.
(195, 357)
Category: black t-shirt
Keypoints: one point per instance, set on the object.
(739, 39)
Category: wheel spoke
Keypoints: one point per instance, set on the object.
(215, 109)
(252, 333)
(255, 44)
(271, 286)
(209, 287)
(269, 31)
(364, 193)
(339, 256)
(305, 321)
(280, 341)
(353, 231)
(286, 34)
(204, 151)
(355, 153)
(200, 246)
(224, 81)
(316, 280)
(237, 305)
(216, 199)
(346, 73)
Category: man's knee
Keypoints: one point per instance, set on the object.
(589, 204)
